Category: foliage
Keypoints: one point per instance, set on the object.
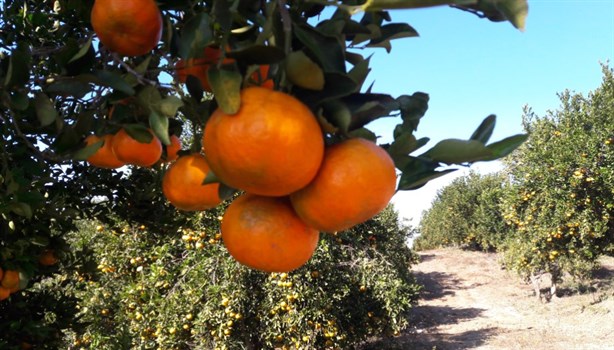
(465, 213)
(561, 205)
(151, 291)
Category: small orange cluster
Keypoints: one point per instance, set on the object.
(121, 149)
(199, 69)
(273, 149)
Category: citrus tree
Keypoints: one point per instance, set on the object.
(466, 213)
(91, 86)
(560, 205)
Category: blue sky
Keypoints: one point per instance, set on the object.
(472, 67)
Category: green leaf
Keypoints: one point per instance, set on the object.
(506, 146)
(485, 130)
(222, 16)
(515, 11)
(139, 132)
(87, 151)
(149, 97)
(454, 151)
(40, 241)
(403, 144)
(82, 51)
(390, 32)
(113, 80)
(327, 50)
(45, 110)
(170, 105)
(226, 86)
(159, 125)
(337, 85)
(195, 36)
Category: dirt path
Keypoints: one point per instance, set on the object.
(470, 303)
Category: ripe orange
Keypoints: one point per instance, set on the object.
(104, 156)
(261, 77)
(198, 67)
(356, 181)
(264, 233)
(183, 185)
(4, 293)
(10, 280)
(272, 146)
(131, 151)
(173, 148)
(47, 258)
(128, 27)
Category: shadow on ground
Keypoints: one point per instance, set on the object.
(436, 284)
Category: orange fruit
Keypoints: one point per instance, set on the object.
(47, 258)
(104, 156)
(272, 146)
(128, 27)
(173, 148)
(183, 185)
(356, 181)
(10, 279)
(130, 151)
(264, 233)
(198, 67)
(261, 77)
(4, 293)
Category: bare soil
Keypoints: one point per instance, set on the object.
(469, 302)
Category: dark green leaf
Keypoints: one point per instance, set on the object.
(22, 209)
(390, 32)
(222, 17)
(338, 114)
(258, 54)
(45, 110)
(454, 151)
(226, 192)
(484, 131)
(18, 72)
(149, 97)
(413, 181)
(327, 50)
(139, 132)
(363, 133)
(337, 85)
(195, 36)
(413, 108)
(368, 107)
(69, 87)
(19, 100)
(226, 86)
(82, 51)
(114, 80)
(211, 178)
(360, 71)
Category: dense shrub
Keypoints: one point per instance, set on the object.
(465, 213)
(183, 290)
(561, 205)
